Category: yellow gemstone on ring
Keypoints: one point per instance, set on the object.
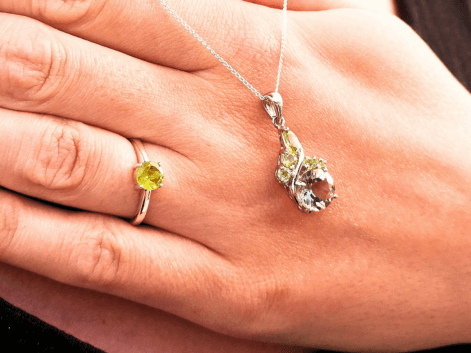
(149, 176)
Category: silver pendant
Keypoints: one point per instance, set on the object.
(306, 179)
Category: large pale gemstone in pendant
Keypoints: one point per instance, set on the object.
(318, 188)
(322, 184)
(149, 176)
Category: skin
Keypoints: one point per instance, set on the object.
(384, 268)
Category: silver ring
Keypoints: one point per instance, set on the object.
(148, 175)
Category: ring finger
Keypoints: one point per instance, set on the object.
(84, 167)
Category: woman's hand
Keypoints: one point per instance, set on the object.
(385, 267)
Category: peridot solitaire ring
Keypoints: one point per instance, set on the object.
(149, 176)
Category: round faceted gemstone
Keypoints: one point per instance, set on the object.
(312, 163)
(289, 159)
(323, 190)
(322, 185)
(283, 175)
(318, 192)
(307, 198)
(149, 176)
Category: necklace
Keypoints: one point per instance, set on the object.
(306, 179)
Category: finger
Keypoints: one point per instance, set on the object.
(105, 321)
(107, 254)
(308, 5)
(44, 70)
(79, 166)
(144, 29)
(322, 5)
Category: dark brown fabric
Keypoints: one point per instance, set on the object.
(24, 333)
(446, 26)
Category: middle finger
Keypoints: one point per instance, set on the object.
(145, 30)
(47, 71)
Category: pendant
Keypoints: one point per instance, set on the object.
(306, 179)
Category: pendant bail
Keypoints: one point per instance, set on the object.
(273, 104)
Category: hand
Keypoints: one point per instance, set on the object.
(225, 247)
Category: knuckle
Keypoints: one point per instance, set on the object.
(61, 158)
(247, 301)
(259, 300)
(9, 215)
(99, 255)
(243, 34)
(257, 303)
(70, 13)
(253, 40)
(244, 43)
(32, 61)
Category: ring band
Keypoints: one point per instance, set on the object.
(149, 176)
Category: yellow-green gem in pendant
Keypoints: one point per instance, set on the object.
(313, 163)
(291, 140)
(149, 176)
(289, 159)
(283, 175)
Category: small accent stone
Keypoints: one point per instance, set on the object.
(289, 159)
(149, 176)
(283, 175)
(291, 141)
(313, 163)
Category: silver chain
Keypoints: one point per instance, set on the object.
(283, 42)
(224, 62)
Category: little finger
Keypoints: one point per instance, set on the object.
(106, 254)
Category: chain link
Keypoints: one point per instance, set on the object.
(283, 42)
(224, 62)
